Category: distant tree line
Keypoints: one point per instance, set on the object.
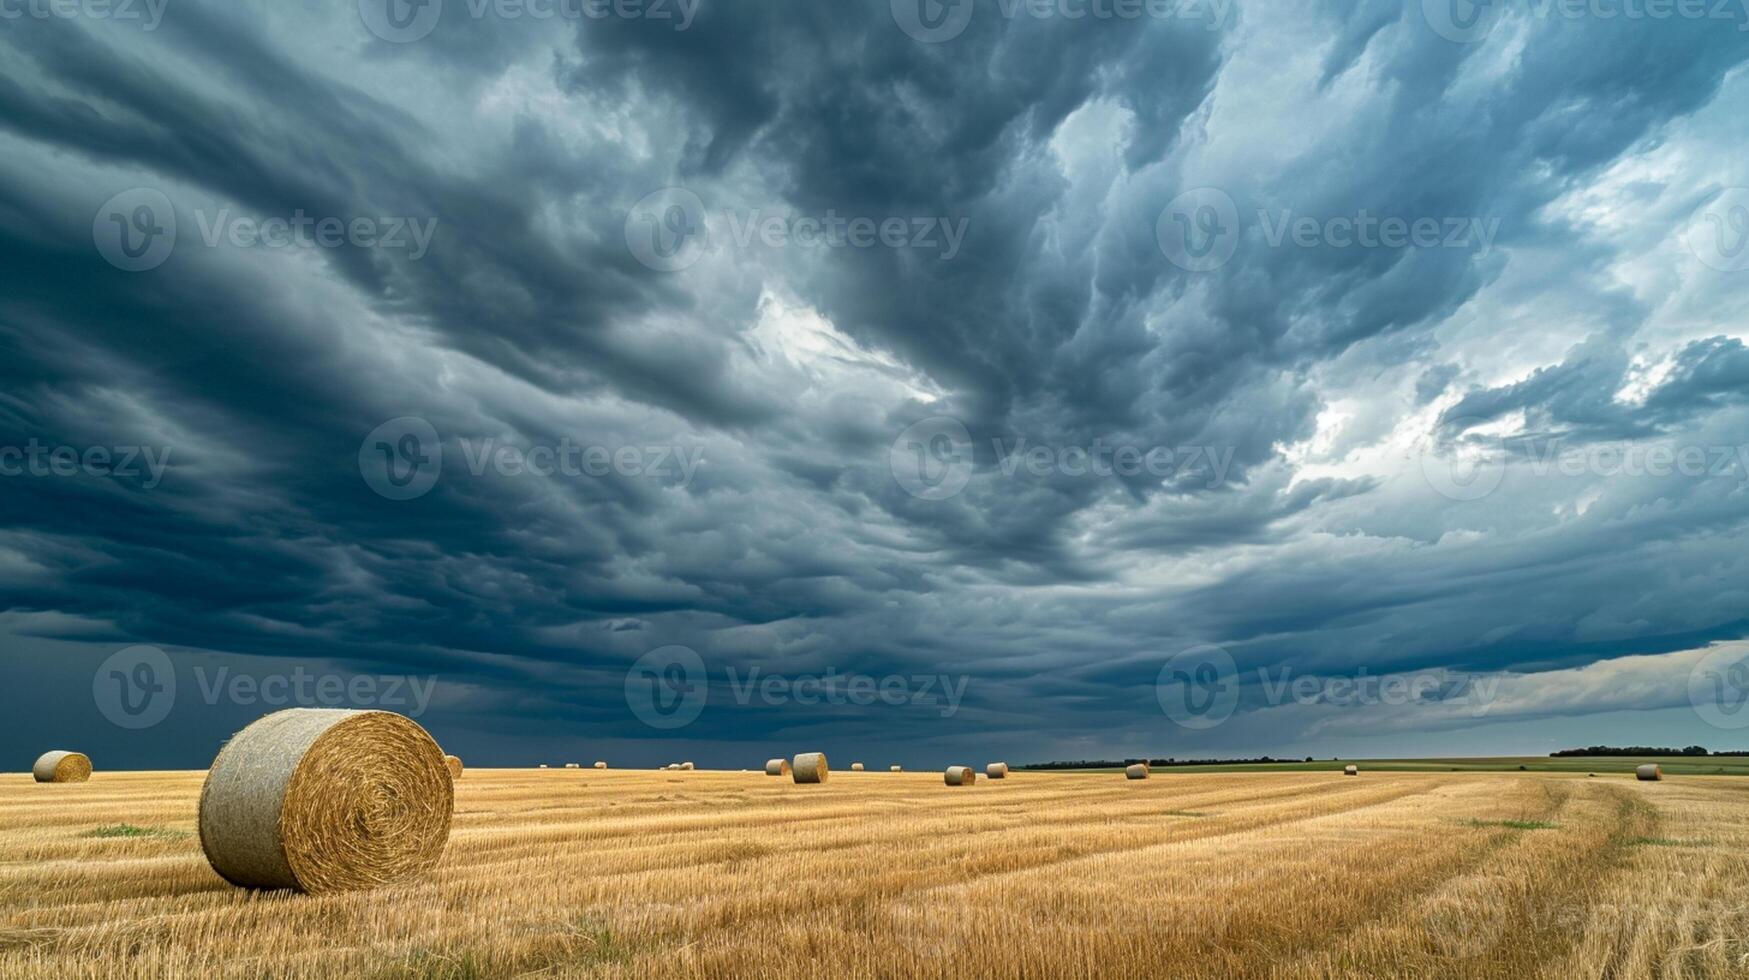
(1158, 763)
(1638, 750)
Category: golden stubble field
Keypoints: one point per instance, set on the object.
(562, 873)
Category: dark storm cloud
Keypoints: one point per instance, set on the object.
(788, 373)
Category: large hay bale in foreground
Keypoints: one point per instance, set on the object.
(961, 776)
(856, 767)
(996, 770)
(777, 767)
(1350, 770)
(810, 767)
(1137, 771)
(326, 799)
(601, 765)
(62, 767)
(455, 766)
(1649, 772)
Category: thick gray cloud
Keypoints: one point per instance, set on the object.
(1276, 452)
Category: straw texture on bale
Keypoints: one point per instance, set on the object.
(62, 767)
(810, 767)
(856, 767)
(1350, 770)
(1137, 771)
(1649, 772)
(455, 766)
(996, 770)
(324, 800)
(777, 767)
(961, 776)
(601, 765)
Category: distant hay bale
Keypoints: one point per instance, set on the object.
(777, 767)
(543, 765)
(896, 769)
(455, 766)
(673, 767)
(601, 765)
(856, 767)
(961, 776)
(996, 770)
(1137, 771)
(1351, 770)
(573, 765)
(1649, 772)
(810, 767)
(62, 767)
(325, 799)
(686, 766)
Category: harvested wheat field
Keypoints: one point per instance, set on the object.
(567, 873)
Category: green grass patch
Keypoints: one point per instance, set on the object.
(1664, 842)
(1515, 824)
(121, 830)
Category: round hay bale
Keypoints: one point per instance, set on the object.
(896, 769)
(996, 770)
(856, 767)
(543, 765)
(601, 765)
(810, 767)
(62, 767)
(1350, 770)
(573, 765)
(455, 766)
(777, 767)
(1649, 772)
(1137, 771)
(326, 799)
(961, 776)
(686, 767)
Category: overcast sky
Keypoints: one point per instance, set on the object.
(918, 382)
